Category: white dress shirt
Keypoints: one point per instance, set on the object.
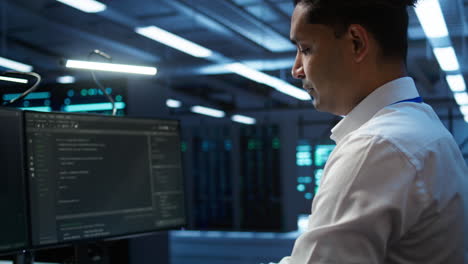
(394, 190)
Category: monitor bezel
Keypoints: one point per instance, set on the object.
(17, 250)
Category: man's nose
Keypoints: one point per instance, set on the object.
(298, 69)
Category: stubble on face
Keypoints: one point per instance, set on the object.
(298, 36)
(316, 65)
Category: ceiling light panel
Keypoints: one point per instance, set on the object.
(14, 65)
(243, 119)
(456, 83)
(173, 103)
(447, 58)
(276, 83)
(461, 98)
(66, 79)
(11, 79)
(207, 111)
(169, 39)
(431, 18)
(88, 6)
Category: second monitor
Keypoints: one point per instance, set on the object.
(93, 177)
(13, 221)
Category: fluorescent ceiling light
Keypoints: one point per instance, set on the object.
(259, 65)
(461, 98)
(207, 111)
(14, 65)
(431, 18)
(243, 119)
(66, 79)
(174, 41)
(456, 83)
(92, 107)
(447, 58)
(173, 103)
(112, 67)
(274, 82)
(464, 110)
(10, 79)
(88, 6)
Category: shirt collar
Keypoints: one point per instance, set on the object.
(389, 93)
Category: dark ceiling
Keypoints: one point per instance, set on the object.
(256, 32)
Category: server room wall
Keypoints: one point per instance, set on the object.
(293, 126)
(147, 98)
(459, 130)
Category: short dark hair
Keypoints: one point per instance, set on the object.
(386, 20)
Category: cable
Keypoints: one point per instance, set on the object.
(100, 86)
(28, 91)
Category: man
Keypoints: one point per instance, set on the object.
(394, 189)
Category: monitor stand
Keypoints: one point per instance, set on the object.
(25, 257)
(92, 253)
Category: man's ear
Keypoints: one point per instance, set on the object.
(360, 44)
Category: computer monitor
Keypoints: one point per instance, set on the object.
(95, 177)
(13, 221)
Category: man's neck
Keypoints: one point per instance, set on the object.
(371, 81)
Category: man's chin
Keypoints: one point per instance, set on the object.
(318, 107)
(315, 104)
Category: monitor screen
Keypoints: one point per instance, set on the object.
(13, 226)
(94, 177)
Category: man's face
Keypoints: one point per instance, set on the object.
(321, 63)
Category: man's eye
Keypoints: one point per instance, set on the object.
(305, 51)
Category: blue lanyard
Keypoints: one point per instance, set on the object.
(414, 100)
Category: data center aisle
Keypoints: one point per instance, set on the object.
(213, 247)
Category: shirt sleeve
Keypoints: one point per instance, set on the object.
(369, 197)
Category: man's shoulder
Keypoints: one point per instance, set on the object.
(412, 129)
(415, 122)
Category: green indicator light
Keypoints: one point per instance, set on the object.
(93, 107)
(67, 101)
(305, 179)
(205, 146)
(184, 146)
(70, 93)
(38, 108)
(304, 148)
(92, 92)
(84, 92)
(251, 145)
(318, 178)
(301, 187)
(118, 98)
(227, 145)
(47, 102)
(31, 96)
(308, 196)
(276, 143)
(26, 103)
(322, 152)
